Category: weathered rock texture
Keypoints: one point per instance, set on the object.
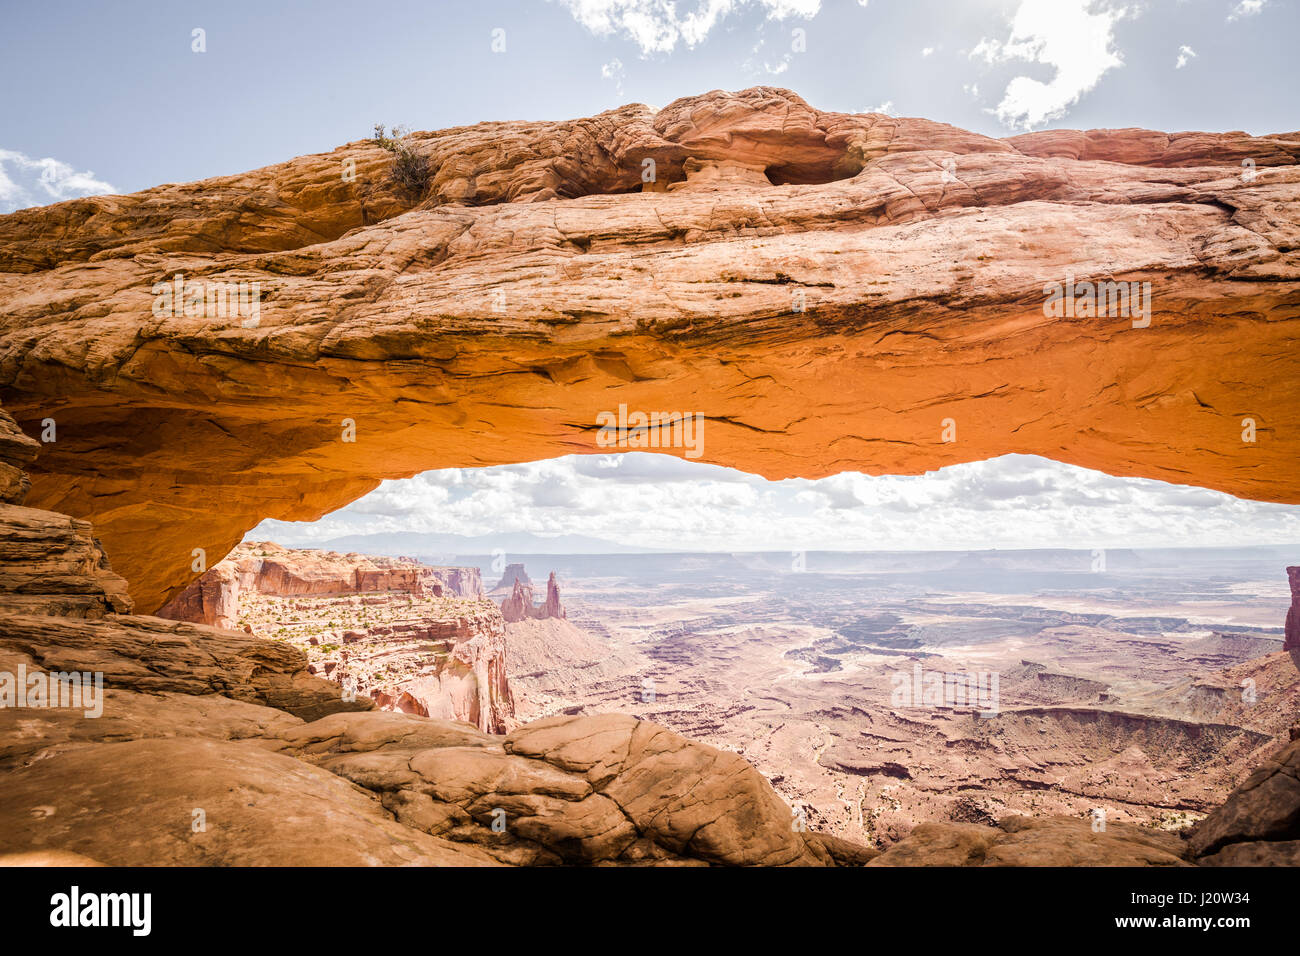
(824, 288)
(391, 629)
(1035, 841)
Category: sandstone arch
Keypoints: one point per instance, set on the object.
(818, 327)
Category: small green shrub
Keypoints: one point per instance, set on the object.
(411, 172)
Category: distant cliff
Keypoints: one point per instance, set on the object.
(271, 569)
(411, 637)
(1292, 642)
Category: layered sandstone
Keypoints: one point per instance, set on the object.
(49, 563)
(829, 291)
(273, 570)
(410, 637)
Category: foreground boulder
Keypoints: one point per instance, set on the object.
(176, 778)
(603, 789)
(1259, 823)
(1035, 841)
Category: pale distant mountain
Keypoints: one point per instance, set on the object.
(518, 542)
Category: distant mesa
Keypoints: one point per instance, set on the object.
(513, 573)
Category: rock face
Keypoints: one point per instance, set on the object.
(1292, 642)
(52, 564)
(49, 563)
(17, 451)
(1260, 820)
(390, 629)
(519, 605)
(270, 569)
(830, 291)
(1035, 841)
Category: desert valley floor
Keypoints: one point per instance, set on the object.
(1143, 684)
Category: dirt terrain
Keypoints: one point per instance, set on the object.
(1146, 693)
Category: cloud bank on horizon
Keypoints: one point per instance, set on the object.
(658, 501)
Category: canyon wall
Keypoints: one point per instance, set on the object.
(271, 569)
(411, 637)
(829, 291)
(1292, 642)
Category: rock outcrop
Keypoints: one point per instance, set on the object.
(49, 563)
(1292, 641)
(17, 451)
(830, 291)
(1259, 823)
(1035, 841)
(552, 608)
(519, 605)
(391, 629)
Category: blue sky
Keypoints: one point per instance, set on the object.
(99, 96)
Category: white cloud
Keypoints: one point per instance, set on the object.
(613, 70)
(657, 501)
(1185, 54)
(1246, 8)
(1073, 37)
(926, 51)
(37, 182)
(656, 26)
(886, 107)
